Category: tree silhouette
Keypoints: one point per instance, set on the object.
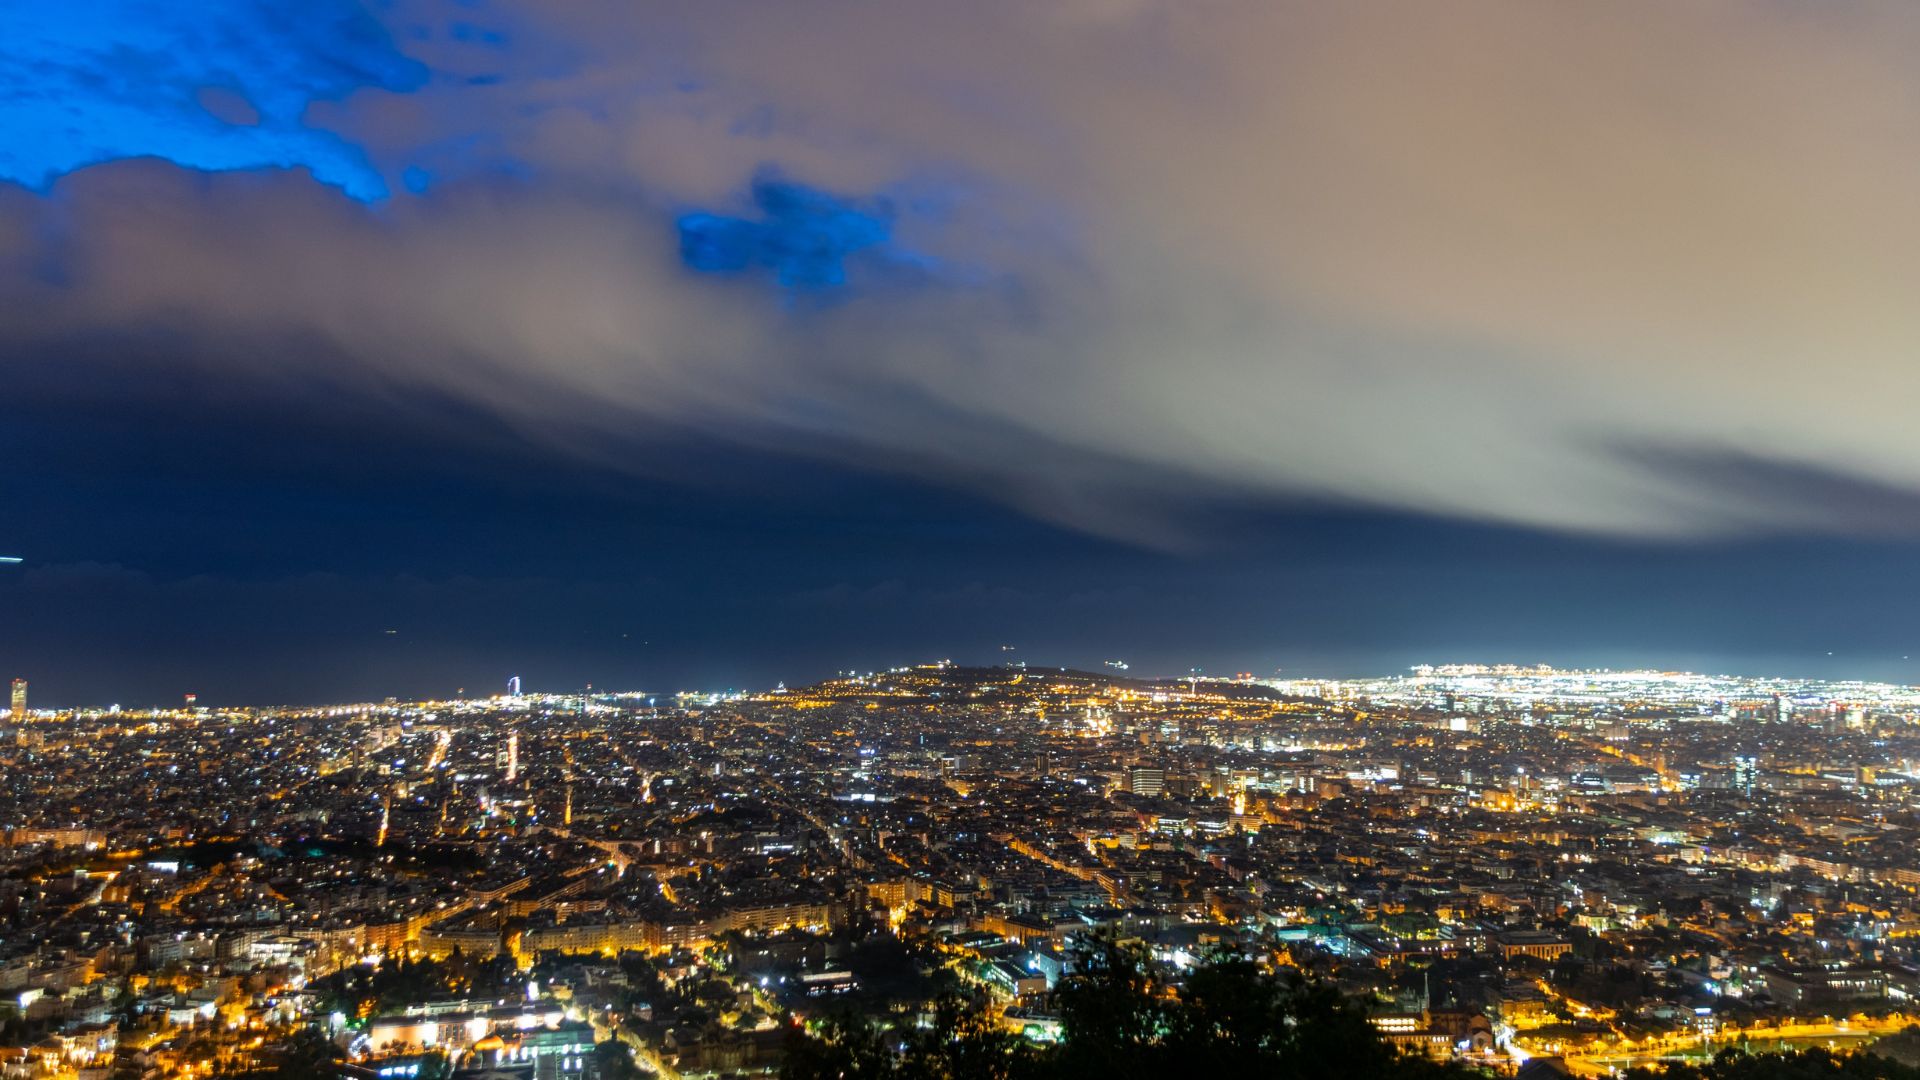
(1121, 1021)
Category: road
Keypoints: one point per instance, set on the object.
(1839, 1036)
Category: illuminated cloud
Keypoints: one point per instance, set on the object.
(1502, 261)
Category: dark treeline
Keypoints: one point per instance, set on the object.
(1120, 1022)
(1228, 1017)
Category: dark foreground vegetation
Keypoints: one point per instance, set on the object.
(1119, 1021)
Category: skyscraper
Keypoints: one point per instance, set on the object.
(19, 699)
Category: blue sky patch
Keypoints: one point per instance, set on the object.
(212, 85)
(803, 236)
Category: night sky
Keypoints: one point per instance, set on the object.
(365, 349)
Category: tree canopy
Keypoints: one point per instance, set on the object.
(1122, 1021)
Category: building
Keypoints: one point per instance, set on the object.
(1539, 944)
(19, 699)
(1147, 780)
(1410, 1033)
(1822, 985)
(1013, 980)
(559, 1052)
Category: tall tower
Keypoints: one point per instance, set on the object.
(513, 756)
(19, 699)
(513, 686)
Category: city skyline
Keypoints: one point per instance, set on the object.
(1504, 682)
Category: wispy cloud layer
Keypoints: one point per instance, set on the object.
(1494, 260)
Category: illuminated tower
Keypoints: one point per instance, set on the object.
(19, 699)
(513, 756)
(513, 686)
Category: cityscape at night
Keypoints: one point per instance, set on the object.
(959, 539)
(1504, 865)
